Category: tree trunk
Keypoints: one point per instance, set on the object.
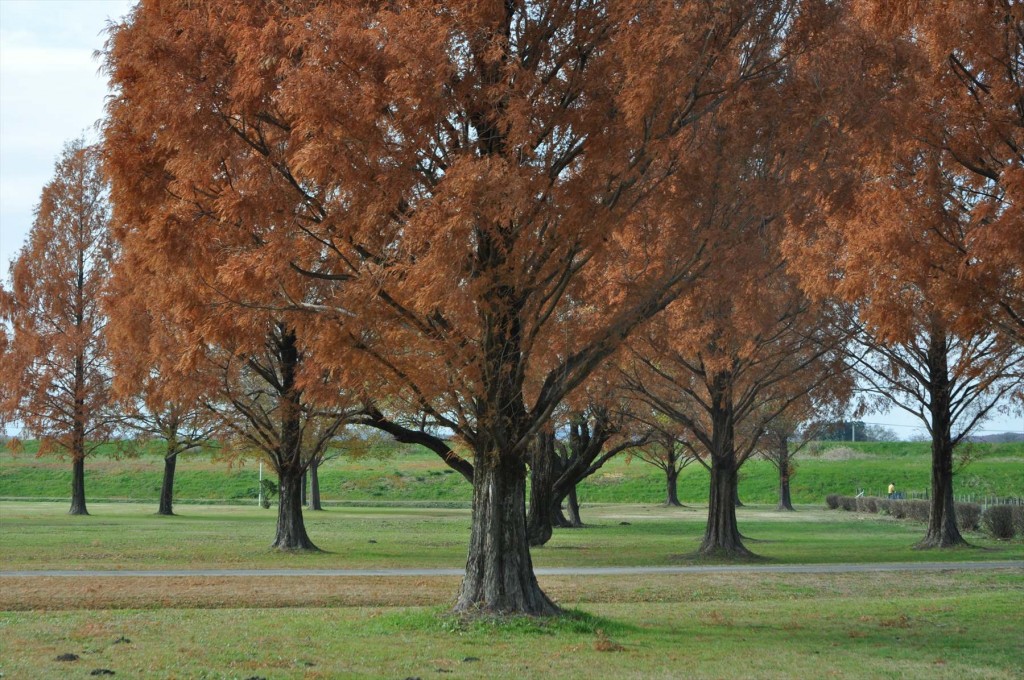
(167, 489)
(314, 484)
(305, 486)
(78, 487)
(722, 536)
(942, 528)
(570, 519)
(671, 485)
(291, 530)
(542, 498)
(499, 572)
(785, 501)
(573, 508)
(78, 431)
(291, 473)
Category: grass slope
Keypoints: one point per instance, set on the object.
(400, 473)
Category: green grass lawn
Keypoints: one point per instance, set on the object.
(936, 624)
(407, 473)
(131, 536)
(948, 625)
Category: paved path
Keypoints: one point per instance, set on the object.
(545, 571)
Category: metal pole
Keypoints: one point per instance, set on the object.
(259, 501)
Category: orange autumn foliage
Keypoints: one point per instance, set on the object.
(460, 207)
(54, 369)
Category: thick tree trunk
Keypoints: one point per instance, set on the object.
(722, 536)
(167, 488)
(671, 488)
(540, 519)
(305, 487)
(942, 528)
(314, 484)
(499, 572)
(78, 487)
(291, 529)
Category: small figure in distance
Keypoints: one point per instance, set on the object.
(892, 490)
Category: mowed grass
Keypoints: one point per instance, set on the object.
(132, 536)
(933, 625)
(396, 473)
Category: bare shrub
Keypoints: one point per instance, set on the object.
(1017, 511)
(968, 515)
(998, 521)
(918, 510)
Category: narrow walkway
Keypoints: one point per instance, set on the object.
(543, 571)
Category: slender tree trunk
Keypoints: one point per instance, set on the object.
(291, 529)
(78, 487)
(314, 484)
(671, 487)
(570, 518)
(542, 498)
(573, 508)
(78, 431)
(559, 519)
(785, 500)
(499, 572)
(942, 527)
(167, 489)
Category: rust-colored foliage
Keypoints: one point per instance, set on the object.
(462, 207)
(54, 368)
(918, 220)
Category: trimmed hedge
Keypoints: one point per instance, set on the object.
(1018, 519)
(968, 515)
(998, 521)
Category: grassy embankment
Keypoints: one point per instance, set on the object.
(400, 473)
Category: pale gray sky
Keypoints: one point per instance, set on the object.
(51, 91)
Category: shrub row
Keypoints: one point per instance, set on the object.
(968, 515)
(999, 521)
(1004, 521)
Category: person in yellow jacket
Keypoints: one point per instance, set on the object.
(892, 490)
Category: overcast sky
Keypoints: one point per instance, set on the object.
(51, 91)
